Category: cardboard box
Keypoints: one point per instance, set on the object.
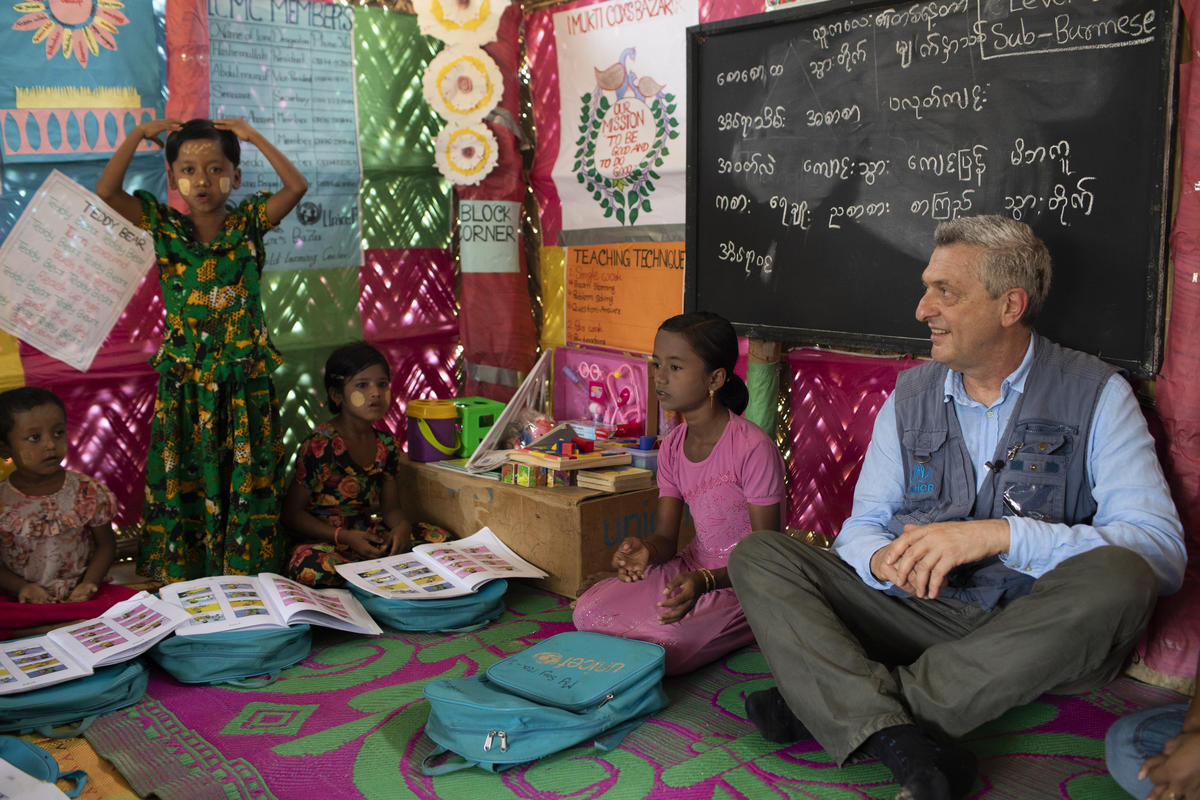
(569, 532)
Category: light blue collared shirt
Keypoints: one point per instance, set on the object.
(1134, 506)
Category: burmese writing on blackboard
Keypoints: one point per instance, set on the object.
(825, 143)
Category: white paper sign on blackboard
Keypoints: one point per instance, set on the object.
(69, 267)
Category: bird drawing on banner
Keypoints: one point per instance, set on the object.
(620, 78)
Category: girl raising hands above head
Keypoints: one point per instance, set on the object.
(213, 470)
(730, 476)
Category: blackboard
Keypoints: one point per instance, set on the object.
(826, 142)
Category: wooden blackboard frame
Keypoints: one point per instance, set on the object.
(1149, 349)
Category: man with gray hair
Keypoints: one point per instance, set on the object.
(1011, 530)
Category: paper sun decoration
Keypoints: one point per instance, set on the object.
(462, 84)
(459, 21)
(74, 27)
(465, 154)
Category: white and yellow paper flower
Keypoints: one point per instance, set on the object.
(460, 21)
(466, 154)
(462, 84)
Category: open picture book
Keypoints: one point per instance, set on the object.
(445, 569)
(126, 630)
(267, 600)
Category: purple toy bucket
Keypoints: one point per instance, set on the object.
(432, 430)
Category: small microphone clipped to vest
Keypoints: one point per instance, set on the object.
(995, 466)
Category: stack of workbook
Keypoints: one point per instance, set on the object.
(615, 479)
(126, 630)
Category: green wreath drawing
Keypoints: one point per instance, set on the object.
(628, 196)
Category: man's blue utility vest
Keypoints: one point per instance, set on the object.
(1043, 452)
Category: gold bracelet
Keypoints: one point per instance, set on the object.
(710, 580)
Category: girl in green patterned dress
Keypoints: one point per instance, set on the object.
(214, 471)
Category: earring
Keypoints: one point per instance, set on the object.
(710, 399)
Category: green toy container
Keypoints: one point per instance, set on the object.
(477, 416)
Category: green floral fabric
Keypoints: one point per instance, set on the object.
(213, 473)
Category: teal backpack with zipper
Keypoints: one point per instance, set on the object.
(75, 703)
(462, 614)
(248, 658)
(571, 688)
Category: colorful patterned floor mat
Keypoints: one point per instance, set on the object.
(348, 723)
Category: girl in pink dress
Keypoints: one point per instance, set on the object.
(56, 541)
(728, 473)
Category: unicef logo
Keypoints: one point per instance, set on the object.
(919, 480)
(308, 212)
(547, 658)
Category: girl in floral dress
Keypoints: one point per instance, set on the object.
(56, 540)
(213, 471)
(343, 503)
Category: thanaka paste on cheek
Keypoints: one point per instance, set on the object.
(357, 400)
(185, 187)
(225, 185)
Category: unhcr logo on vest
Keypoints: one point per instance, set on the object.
(918, 480)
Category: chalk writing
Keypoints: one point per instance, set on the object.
(857, 211)
(845, 168)
(755, 73)
(815, 118)
(748, 164)
(967, 164)
(941, 206)
(822, 33)
(791, 213)
(771, 118)
(920, 13)
(939, 98)
(738, 203)
(847, 58)
(746, 257)
(1060, 152)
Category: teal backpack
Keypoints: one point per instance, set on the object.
(570, 688)
(234, 657)
(75, 703)
(468, 612)
(37, 763)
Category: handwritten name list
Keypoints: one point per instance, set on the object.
(69, 268)
(287, 68)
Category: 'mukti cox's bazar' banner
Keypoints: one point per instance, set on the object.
(622, 72)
